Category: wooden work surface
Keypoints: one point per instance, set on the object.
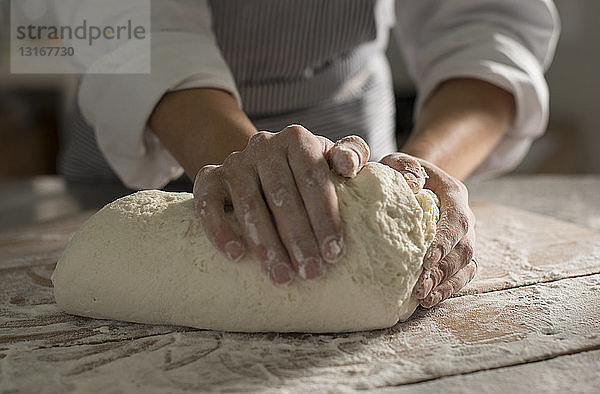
(530, 321)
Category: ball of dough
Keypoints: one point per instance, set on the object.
(144, 258)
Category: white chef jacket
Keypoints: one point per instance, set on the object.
(322, 62)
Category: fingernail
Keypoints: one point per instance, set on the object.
(347, 162)
(433, 256)
(234, 250)
(432, 300)
(436, 298)
(333, 249)
(310, 268)
(355, 160)
(281, 274)
(427, 286)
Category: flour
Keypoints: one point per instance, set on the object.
(511, 340)
(144, 258)
(472, 333)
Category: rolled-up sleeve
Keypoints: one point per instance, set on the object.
(184, 55)
(509, 43)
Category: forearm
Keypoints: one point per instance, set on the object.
(200, 127)
(460, 124)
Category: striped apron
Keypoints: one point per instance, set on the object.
(319, 63)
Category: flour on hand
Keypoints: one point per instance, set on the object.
(144, 258)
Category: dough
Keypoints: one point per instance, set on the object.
(144, 258)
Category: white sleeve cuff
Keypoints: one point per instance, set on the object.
(504, 62)
(508, 43)
(118, 106)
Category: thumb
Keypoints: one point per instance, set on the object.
(348, 156)
(409, 167)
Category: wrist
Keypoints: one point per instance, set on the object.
(460, 124)
(200, 127)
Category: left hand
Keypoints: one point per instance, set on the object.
(284, 199)
(448, 264)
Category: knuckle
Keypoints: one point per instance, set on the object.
(450, 265)
(237, 169)
(295, 130)
(444, 240)
(205, 173)
(204, 178)
(258, 139)
(437, 275)
(231, 162)
(280, 195)
(409, 163)
(299, 134)
(458, 191)
(455, 283)
(315, 177)
(245, 204)
(229, 172)
(463, 221)
(453, 188)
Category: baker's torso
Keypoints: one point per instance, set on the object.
(319, 63)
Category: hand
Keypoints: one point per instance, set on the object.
(448, 264)
(283, 197)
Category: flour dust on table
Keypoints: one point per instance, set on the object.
(145, 258)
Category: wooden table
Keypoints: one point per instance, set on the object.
(529, 322)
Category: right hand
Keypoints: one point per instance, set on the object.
(283, 197)
(448, 264)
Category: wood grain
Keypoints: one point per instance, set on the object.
(574, 373)
(535, 299)
(516, 248)
(464, 335)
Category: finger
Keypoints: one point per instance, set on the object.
(312, 177)
(257, 226)
(348, 156)
(456, 217)
(209, 202)
(291, 218)
(451, 286)
(454, 261)
(410, 168)
(455, 221)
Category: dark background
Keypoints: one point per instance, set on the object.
(31, 106)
